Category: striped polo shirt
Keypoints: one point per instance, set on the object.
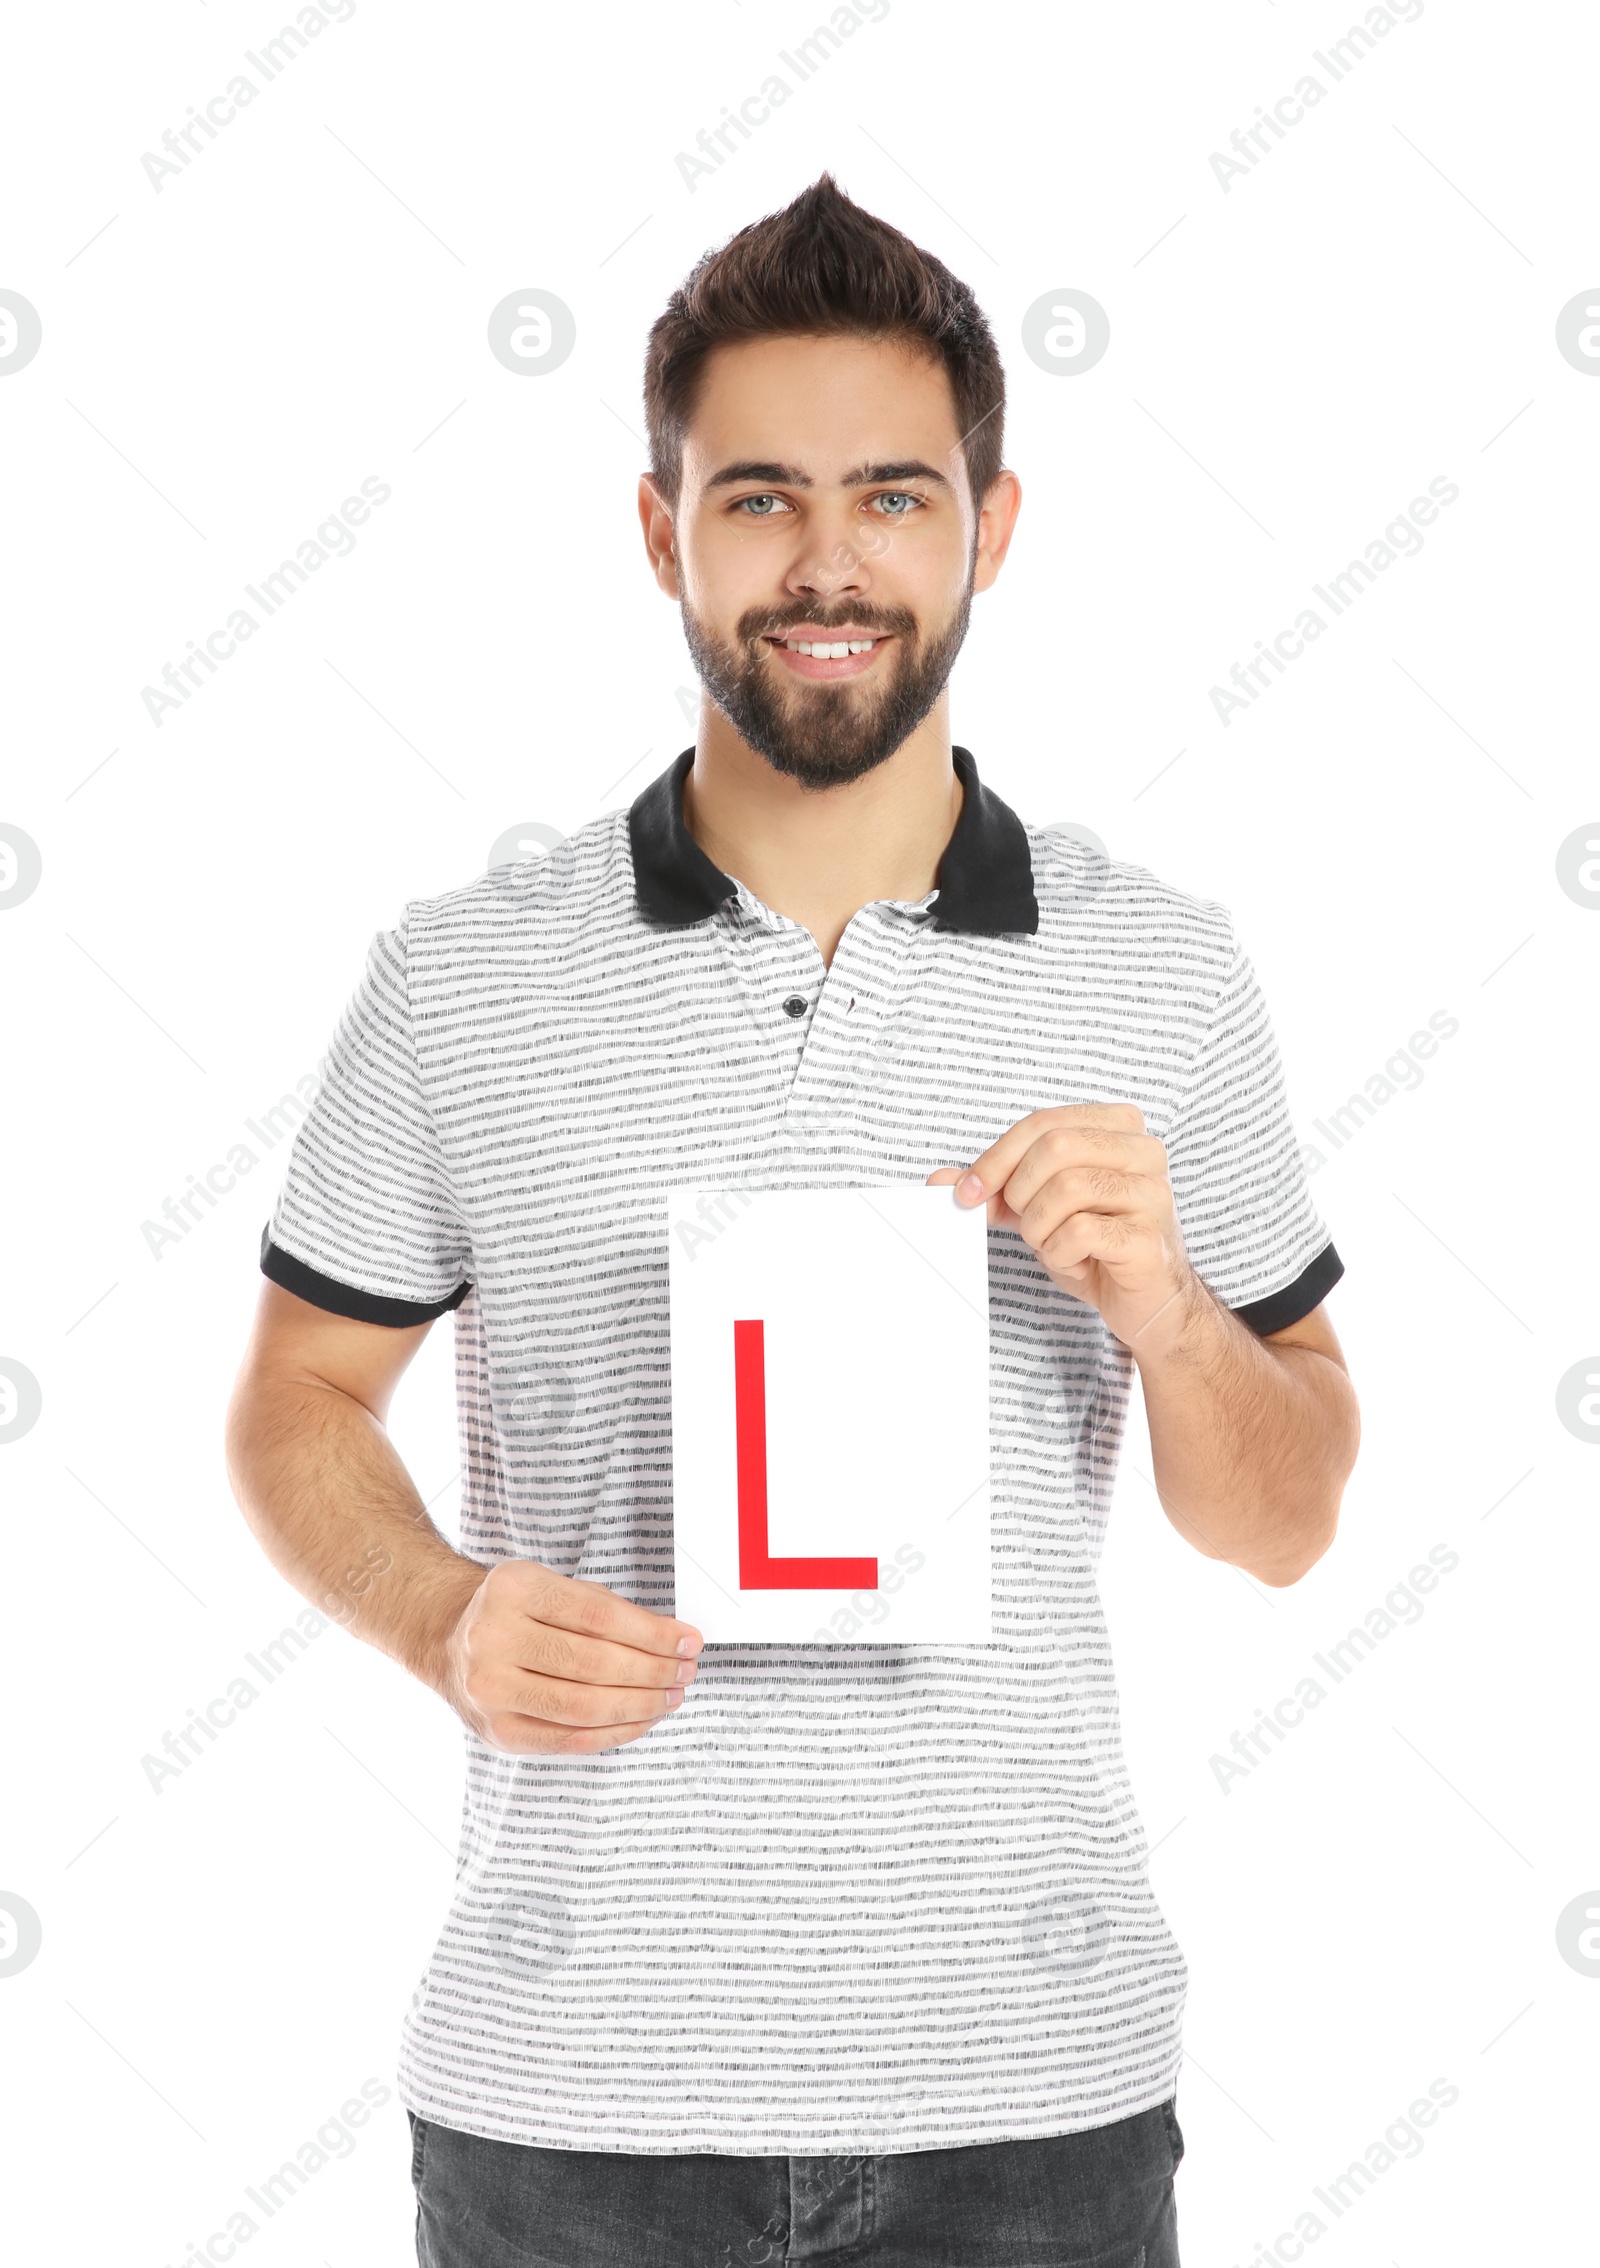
(857, 1897)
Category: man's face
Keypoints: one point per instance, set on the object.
(824, 501)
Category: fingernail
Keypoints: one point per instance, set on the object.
(970, 1188)
(689, 1645)
(686, 1670)
(674, 1698)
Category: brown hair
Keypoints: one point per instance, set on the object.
(823, 267)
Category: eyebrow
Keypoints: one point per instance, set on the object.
(790, 476)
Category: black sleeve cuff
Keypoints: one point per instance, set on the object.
(344, 1299)
(1281, 1308)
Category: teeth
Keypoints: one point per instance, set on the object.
(834, 650)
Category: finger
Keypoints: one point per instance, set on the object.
(1082, 1237)
(524, 1736)
(951, 1177)
(568, 1603)
(994, 1167)
(545, 1650)
(1039, 1191)
(562, 1701)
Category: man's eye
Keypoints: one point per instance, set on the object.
(761, 507)
(897, 502)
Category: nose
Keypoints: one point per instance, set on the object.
(833, 563)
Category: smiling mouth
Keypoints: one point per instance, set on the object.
(824, 649)
(825, 659)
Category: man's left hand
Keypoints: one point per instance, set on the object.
(1087, 1188)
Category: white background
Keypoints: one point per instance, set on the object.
(1291, 361)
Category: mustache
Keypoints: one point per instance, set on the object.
(768, 622)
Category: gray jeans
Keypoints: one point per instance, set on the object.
(1099, 2199)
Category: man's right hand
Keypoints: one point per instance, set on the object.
(544, 1664)
(533, 1662)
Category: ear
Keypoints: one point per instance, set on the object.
(996, 522)
(655, 517)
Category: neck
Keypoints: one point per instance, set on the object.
(820, 856)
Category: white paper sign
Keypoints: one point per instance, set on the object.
(830, 1413)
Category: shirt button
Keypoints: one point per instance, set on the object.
(794, 1005)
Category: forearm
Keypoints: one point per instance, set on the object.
(324, 1491)
(1251, 1443)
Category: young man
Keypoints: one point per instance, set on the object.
(783, 1952)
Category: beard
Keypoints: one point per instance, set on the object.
(819, 734)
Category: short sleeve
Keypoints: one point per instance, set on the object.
(1239, 1184)
(365, 1225)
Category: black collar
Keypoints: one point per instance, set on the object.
(985, 878)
